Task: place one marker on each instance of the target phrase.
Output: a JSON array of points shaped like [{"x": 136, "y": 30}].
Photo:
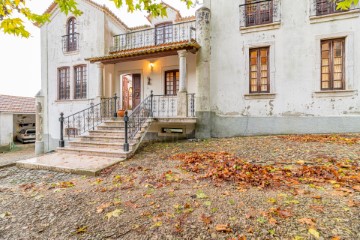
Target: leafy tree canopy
[{"x": 13, "y": 13}]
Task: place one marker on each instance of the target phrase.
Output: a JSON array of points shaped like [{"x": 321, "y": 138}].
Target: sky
[{"x": 20, "y": 63}]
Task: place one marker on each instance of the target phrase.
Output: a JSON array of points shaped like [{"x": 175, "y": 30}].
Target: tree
[{"x": 13, "y": 13}]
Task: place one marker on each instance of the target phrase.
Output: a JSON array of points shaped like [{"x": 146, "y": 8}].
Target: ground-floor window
[
  {"x": 64, "y": 83},
  {"x": 172, "y": 82},
  {"x": 259, "y": 70},
  {"x": 80, "y": 76},
  {"x": 332, "y": 64}
]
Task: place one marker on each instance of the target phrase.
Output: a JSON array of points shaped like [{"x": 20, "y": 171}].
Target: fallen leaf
[
  {"x": 223, "y": 228},
  {"x": 206, "y": 219},
  {"x": 335, "y": 238},
  {"x": 157, "y": 224},
  {"x": 102, "y": 207},
  {"x": 308, "y": 221},
  {"x": 5, "y": 214},
  {"x": 272, "y": 221},
  {"x": 317, "y": 208},
  {"x": 201, "y": 195},
  {"x": 116, "y": 213},
  {"x": 356, "y": 188},
  {"x": 314, "y": 232},
  {"x": 82, "y": 229}
]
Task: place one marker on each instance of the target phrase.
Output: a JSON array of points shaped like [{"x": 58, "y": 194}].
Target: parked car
[{"x": 26, "y": 135}]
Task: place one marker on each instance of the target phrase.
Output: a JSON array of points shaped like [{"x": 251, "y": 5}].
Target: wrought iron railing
[
  {"x": 191, "y": 104},
  {"x": 259, "y": 12},
  {"x": 154, "y": 36},
  {"x": 70, "y": 42},
  {"x": 326, "y": 7},
  {"x": 87, "y": 119}
]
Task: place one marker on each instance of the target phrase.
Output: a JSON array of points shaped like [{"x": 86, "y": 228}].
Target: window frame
[
  {"x": 331, "y": 64},
  {"x": 72, "y": 35},
  {"x": 258, "y": 63},
  {"x": 331, "y": 9},
  {"x": 175, "y": 82},
  {"x": 65, "y": 85},
  {"x": 83, "y": 81},
  {"x": 258, "y": 13},
  {"x": 163, "y": 27}
]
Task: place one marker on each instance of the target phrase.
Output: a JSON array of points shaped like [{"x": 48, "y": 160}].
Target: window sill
[
  {"x": 259, "y": 28},
  {"x": 72, "y": 100},
  {"x": 335, "y": 93},
  {"x": 335, "y": 16},
  {"x": 259, "y": 96},
  {"x": 76, "y": 52}
]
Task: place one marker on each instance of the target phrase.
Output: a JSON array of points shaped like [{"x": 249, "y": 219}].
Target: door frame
[{"x": 130, "y": 72}]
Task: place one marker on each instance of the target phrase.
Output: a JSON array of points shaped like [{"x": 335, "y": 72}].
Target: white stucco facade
[
  {"x": 217, "y": 71},
  {"x": 296, "y": 103}
]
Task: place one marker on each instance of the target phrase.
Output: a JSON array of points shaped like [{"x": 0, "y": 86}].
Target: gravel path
[
  {"x": 20, "y": 152},
  {"x": 150, "y": 197}
]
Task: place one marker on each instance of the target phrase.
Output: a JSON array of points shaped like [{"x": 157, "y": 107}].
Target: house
[
  {"x": 16, "y": 113},
  {"x": 236, "y": 68}
]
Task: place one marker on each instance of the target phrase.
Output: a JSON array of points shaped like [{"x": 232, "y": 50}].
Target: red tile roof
[
  {"x": 14, "y": 104},
  {"x": 188, "y": 45}
]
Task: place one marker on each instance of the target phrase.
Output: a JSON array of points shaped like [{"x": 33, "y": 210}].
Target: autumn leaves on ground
[{"x": 276, "y": 187}]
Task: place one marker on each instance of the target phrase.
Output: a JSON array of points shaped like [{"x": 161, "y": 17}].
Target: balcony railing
[
  {"x": 70, "y": 42},
  {"x": 260, "y": 12},
  {"x": 154, "y": 36},
  {"x": 326, "y": 7}
]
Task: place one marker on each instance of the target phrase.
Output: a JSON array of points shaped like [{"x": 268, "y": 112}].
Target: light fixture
[
  {"x": 149, "y": 80},
  {"x": 151, "y": 64}
]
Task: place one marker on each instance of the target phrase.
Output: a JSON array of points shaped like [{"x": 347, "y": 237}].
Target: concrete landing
[{"x": 70, "y": 163}]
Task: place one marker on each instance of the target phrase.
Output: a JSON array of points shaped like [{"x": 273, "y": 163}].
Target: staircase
[{"x": 106, "y": 140}]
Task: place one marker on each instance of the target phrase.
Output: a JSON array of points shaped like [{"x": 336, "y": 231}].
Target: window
[
  {"x": 259, "y": 70},
  {"x": 80, "y": 82},
  {"x": 71, "y": 39},
  {"x": 172, "y": 82},
  {"x": 64, "y": 83},
  {"x": 332, "y": 64},
  {"x": 324, "y": 7},
  {"x": 258, "y": 12},
  {"x": 164, "y": 33}
]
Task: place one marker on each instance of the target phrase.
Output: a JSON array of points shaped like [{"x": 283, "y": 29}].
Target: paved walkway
[{"x": 21, "y": 151}]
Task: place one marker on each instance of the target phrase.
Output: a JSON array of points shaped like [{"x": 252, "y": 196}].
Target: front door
[{"x": 136, "y": 83}]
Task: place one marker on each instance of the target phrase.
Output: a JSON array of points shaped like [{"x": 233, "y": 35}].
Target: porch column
[
  {"x": 39, "y": 123},
  {"x": 182, "y": 106},
  {"x": 100, "y": 79}
]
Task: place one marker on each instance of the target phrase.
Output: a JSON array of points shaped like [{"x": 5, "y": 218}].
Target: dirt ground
[
  {"x": 20, "y": 152},
  {"x": 156, "y": 196}
]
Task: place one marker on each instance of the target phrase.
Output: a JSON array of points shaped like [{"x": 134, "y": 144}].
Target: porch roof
[{"x": 162, "y": 50}]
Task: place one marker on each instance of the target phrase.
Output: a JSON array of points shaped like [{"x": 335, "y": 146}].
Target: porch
[{"x": 161, "y": 61}]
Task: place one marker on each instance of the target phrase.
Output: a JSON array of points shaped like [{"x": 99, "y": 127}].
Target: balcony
[
  {"x": 162, "y": 35},
  {"x": 254, "y": 13},
  {"x": 70, "y": 43}
]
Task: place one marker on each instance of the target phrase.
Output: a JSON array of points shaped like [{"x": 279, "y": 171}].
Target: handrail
[{"x": 87, "y": 119}]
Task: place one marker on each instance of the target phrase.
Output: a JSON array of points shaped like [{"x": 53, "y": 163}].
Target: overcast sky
[{"x": 20, "y": 63}]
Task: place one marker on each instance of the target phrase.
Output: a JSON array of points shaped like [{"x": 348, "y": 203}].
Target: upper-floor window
[
  {"x": 80, "y": 76},
  {"x": 70, "y": 40},
  {"x": 64, "y": 83},
  {"x": 258, "y": 12},
  {"x": 324, "y": 7},
  {"x": 164, "y": 33},
  {"x": 259, "y": 70},
  {"x": 333, "y": 64}
]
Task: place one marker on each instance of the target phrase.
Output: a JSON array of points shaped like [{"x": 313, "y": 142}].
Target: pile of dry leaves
[
  {"x": 338, "y": 139},
  {"x": 222, "y": 166}
]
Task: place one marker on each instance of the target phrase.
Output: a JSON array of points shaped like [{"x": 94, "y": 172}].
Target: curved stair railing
[
  {"x": 87, "y": 119},
  {"x": 135, "y": 121}
]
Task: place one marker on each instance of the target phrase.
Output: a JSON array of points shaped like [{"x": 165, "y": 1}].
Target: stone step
[
  {"x": 114, "y": 123},
  {"x": 109, "y": 133},
  {"x": 96, "y": 144},
  {"x": 105, "y": 139},
  {"x": 94, "y": 151},
  {"x": 110, "y": 128}
]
